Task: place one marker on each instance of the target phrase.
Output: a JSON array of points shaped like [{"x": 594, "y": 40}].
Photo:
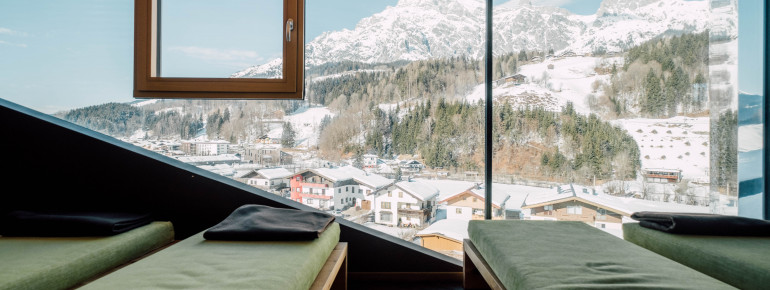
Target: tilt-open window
[{"x": 249, "y": 49}]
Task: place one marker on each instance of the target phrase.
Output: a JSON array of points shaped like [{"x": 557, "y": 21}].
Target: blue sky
[{"x": 58, "y": 55}]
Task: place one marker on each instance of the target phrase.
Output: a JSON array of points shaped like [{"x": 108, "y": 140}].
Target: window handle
[{"x": 289, "y": 29}]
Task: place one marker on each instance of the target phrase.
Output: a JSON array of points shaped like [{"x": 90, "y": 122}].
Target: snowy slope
[
  {"x": 675, "y": 143},
  {"x": 570, "y": 80},
  {"x": 305, "y": 121}
]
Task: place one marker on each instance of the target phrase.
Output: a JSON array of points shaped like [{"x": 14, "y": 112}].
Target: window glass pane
[
  {"x": 625, "y": 105},
  {"x": 221, "y": 39},
  {"x": 750, "y": 109}
]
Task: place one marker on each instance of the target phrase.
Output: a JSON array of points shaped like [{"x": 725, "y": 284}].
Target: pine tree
[
  {"x": 523, "y": 55},
  {"x": 288, "y": 135}
]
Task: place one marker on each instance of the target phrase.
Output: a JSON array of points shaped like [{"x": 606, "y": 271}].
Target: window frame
[{"x": 149, "y": 84}]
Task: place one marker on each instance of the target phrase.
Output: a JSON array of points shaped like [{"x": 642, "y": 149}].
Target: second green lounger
[{"x": 573, "y": 255}]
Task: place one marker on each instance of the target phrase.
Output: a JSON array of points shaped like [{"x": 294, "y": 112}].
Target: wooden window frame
[{"x": 147, "y": 83}]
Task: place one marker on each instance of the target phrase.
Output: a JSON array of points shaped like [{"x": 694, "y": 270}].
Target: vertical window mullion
[{"x": 488, "y": 115}]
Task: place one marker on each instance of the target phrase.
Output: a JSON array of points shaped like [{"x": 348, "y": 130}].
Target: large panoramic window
[{"x": 600, "y": 108}]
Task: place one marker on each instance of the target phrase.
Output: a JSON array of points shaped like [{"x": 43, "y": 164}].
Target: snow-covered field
[
  {"x": 675, "y": 143},
  {"x": 306, "y": 121},
  {"x": 570, "y": 80}
]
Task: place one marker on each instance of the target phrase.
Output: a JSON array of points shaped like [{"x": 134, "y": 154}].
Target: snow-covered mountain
[
  {"x": 423, "y": 29},
  {"x": 271, "y": 70}
]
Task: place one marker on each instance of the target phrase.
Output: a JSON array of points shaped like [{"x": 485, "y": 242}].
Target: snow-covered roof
[
  {"x": 623, "y": 205},
  {"x": 349, "y": 172},
  {"x": 243, "y": 173},
  {"x": 206, "y": 142},
  {"x": 448, "y": 188},
  {"x": 418, "y": 189},
  {"x": 221, "y": 169},
  {"x": 212, "y": 158},
  {"x": 498, "y": 196},
  {"x": 332, "y": 174},
  {"x": 450, "y": 228},
  {"x": 274, "y": 173}
]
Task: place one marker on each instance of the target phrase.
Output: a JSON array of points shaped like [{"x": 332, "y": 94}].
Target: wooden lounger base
[
  {"x": 334, "y": 273},
  {"x": 476, "y": 272}
]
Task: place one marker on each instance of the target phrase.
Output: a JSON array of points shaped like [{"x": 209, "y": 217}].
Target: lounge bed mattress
[
  {"x": 60, "y": 263},
  {"x": 196, "y": 263},
  {"x": 574, "y": 255},
  {"x": 739, "y": 261}
]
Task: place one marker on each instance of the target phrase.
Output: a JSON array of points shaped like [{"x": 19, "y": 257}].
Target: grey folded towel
[
  {"x": 264, "y": 223},
  {"x": 702, "y": 224},
  {"x": 70, "y": 224}
]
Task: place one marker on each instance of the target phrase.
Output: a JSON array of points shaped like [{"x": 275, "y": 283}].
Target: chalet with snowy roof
[
  {"x": 662, "y": 175},
  {"x": 406, "y": 203},
  {"x": 268, "y": 155},
  {"x": 336, "y": 188},
  {"x": 264, "y": 139},
  {"x": 578, "y": 203},
  {"x": 269, "y": 178},
  {"x": 445, "y": 236},
  {"x": 469, "y": 204},
  {"x": 516, "y": 79},
  {"x": 409, "y": 167}
]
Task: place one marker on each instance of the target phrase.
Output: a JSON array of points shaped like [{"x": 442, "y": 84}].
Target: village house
[
  {"x": 336, "y": 188},
  {"x": 267, "y": 155},
  {"x": 445, "y": 236},
  {"x": 516, "y": 79},
  {"x": 370, "y": 161},
  {"x": 264, "y": 139},
  {"x": 578, "y": 203},
  {"x": 406, "y": 203},
  {"x": 661, "y": 175},
  {"x": 410, "y": 167},
  {"x": 274, "y": 179},
  {"x": 469, "y": 204},
  {"x": 205, "y": 148}
]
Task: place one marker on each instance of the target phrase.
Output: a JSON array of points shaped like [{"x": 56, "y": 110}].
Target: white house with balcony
[
  {"x": 406, "y": 203},
  {"x": 337, "y": 188}
]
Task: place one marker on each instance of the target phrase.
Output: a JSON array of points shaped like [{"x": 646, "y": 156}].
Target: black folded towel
[
  {"x": 264, "y": 223},
  {"x": 702, "y": 224},
  {"x": 69, "y": 224}
]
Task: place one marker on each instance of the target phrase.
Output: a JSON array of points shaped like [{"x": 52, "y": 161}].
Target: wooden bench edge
[
  {"x": 476, "y": 272},
  {"x": 334, "y": 273}
]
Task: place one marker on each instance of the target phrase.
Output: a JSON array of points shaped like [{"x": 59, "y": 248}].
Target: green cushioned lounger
[
  {"x": 574, "y": 255},
  {"x": 743, "y": 262},
  {"x": 61, "y": 263},
  {"x": 196, "y": 263}
]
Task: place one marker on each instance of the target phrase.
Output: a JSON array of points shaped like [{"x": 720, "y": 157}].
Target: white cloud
[
  {"x": 8, "y": 31},
  {"x": 214, "y": 54},
  {"x": 12, "y": 44}
]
